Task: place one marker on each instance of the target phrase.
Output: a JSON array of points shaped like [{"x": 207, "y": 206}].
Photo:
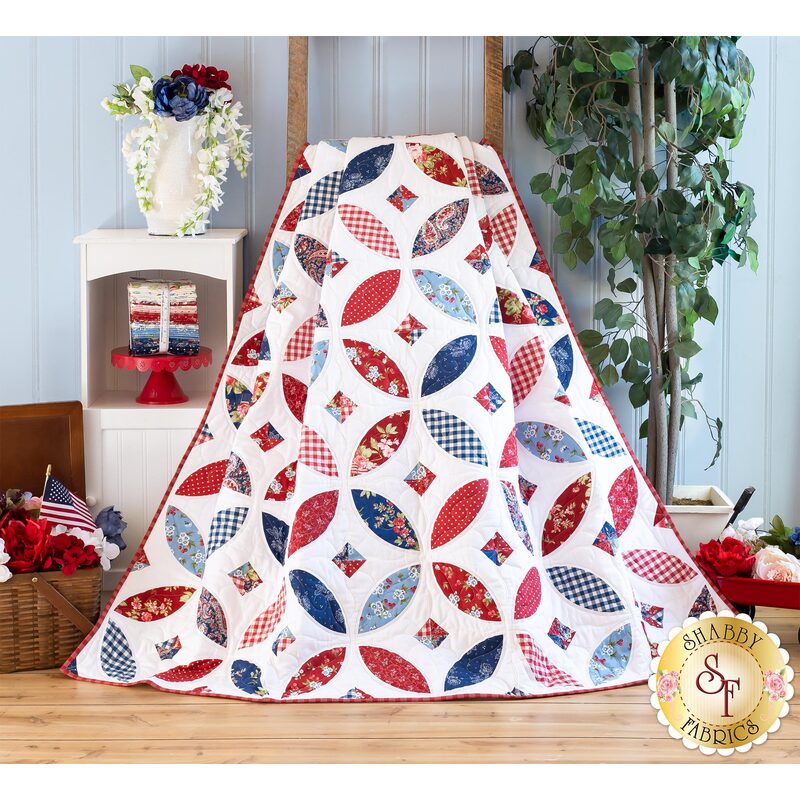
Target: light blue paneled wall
[{"x": 64, "y": 174}]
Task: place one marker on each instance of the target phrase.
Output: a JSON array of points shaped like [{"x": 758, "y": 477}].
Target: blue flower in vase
[
  {"x": 794, "y": 537},
  {"x": 181, "y": 98}
]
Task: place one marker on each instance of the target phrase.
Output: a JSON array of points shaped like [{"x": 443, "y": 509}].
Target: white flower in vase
[{"x": 179, "y": 157}]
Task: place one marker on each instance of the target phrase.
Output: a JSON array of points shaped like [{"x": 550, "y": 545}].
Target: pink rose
[
  {"x": 667, "y": 686},
  {"x": 775, "y": 685},
  {"x": 773, "y": 564}
]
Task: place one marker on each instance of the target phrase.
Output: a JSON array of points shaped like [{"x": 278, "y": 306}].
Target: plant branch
[{"x": 671, "y": 311}]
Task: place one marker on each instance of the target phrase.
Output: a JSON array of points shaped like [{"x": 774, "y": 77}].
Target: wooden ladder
[{"x": 297, "y": 116}]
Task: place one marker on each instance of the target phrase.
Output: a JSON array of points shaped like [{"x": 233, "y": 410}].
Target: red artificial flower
[
  {"x": 70, "y": 553},
  {"x": 210, "y": 77},
  {"x": 28, "y": 543},
  {"x": 727, "y": 557}
]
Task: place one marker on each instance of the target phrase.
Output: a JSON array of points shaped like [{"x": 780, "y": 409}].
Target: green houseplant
[{"x": 639, "y": 129}]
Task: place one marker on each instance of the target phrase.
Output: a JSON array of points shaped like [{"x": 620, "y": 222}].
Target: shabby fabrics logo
[{"x": 721, "y": 683}]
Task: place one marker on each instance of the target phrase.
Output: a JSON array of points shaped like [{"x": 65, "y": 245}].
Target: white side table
[{"x": 132, "y": 450}]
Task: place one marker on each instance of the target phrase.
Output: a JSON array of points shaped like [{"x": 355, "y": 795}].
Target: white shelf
[
  {"x": 131, "y": 449},
  {"x": 129, "y": 235},
  {"x": 112, "y": 251},
  {"x": 118, "y": 410}
]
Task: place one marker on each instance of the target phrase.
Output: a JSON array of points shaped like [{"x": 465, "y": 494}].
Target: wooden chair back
[{"x": 33, "y": 436}]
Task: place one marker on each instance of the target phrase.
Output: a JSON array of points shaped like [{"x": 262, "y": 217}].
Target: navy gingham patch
[
  {"x": 322, "y": 196},
  {"x": 600, "y": 441},
  {"x": 224, "y": 527},
  {"x": 585, "y": 589},
  {"x": 116, "y": 657},
  {"x": 454, "y": 436}
]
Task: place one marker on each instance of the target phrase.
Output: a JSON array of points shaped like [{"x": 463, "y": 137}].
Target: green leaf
[
  {"x": 582, "y": 213},
  {"x": 598, "y": 354},
  {"x": 626, "y": 321},
  {"x": 687, "y": 349},
  {"x": 560, "y": 146},
  {"x": 629, "y": 285},
  {"x": 584, "y": 249},
  {"x": 708, "y": 308},
  {"x": 582, "y": 66},
  {"x": 674, "y": 201},
  {"x": 570, "y": 259},
  {"x": 611, "y": 317},
  {"x": 602, "y": 307},
  {"x": 550, "y": 196},
  {"x": 637, "y": 394},
  {"x": 649, "y": 181},
  {"x": 623, "y": 62},
  {"x": 508, "y": 78},
  {"x": 633, "y": 372},
  {"x": 563, "y": 205},
  {"x": 685, "y": 294},
  {"x": 616, "y": 253},
  {"x": 581, "y": 175},
  {"x": 140, "y": 72},
  {"x": 562, "y": 242},
  {"x": 688, "y": 409},
  {"x": 589, "y": 337},
  {"x": 666, "y": 131},
  {"x": 640, "y": 350},
  {"x": 540, "y": 182},
  {"x": 619, "y": 351},
  {"x": 634, "y": 249},
  {"x": 609, "y": 375},
  {"x": 669, "y": 64}
]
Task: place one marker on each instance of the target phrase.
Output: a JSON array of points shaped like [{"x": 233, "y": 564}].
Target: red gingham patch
[
  {"x": 251, "y": 301},
  {"x": 526, "y": 366},
  {"x": 542, "y": 668},
  {"x": 658, "y": 566},
  {"x": 369, "y": 230},
  {"x": 472, "y": 177},
  {"x": 504, "y": 228},
  {"x": 266, "y": 622},
  {"x": 302, "y": 341},
  {"x": 315, "y": 453}
]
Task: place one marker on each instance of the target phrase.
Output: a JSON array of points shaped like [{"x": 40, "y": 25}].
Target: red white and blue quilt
[{"x": 407, "y": 484}]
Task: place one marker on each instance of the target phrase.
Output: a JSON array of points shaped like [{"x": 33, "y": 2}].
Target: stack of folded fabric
[
  {"x": 163, "y": 317},
  {"x": 184, "y": 330}
]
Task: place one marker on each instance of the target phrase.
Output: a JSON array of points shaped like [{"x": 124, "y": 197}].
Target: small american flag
[{"x": 62, "y": 507}]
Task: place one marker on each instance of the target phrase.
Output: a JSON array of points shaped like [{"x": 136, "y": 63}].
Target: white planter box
[{"x": 697, "y": 524}]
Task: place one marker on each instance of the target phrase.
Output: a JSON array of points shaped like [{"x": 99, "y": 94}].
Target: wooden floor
[{"x": 46, "y": 717}]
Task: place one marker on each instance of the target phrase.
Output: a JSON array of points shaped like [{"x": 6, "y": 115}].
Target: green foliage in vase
[{"x": 640, "y": 129}]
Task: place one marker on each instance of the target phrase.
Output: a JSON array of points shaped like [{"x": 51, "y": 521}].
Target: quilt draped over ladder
[{"x": 408, "y": 484}]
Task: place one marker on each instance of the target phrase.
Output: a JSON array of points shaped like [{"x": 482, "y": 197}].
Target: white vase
[{"x": 175, "y": 182}]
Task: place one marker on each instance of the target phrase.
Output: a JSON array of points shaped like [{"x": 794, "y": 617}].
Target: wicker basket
[{"x": 45, "y": 616}]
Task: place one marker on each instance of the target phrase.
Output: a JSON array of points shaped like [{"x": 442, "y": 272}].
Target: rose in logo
[
  {"x": 667, "y": 685},
  {"x": 774, "y": 685}
]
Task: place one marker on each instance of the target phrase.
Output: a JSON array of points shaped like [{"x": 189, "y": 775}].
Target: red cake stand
[{"x": 162, "y": 387}]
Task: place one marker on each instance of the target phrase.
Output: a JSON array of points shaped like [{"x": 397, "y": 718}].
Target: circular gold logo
[{"x": 721, "y": 683}]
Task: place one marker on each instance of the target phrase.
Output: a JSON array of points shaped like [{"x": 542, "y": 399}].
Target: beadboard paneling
[{"x": 66, "y": 176}]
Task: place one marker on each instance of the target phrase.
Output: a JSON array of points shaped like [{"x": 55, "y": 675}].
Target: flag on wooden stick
[{"x": 62, "y": 507}]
